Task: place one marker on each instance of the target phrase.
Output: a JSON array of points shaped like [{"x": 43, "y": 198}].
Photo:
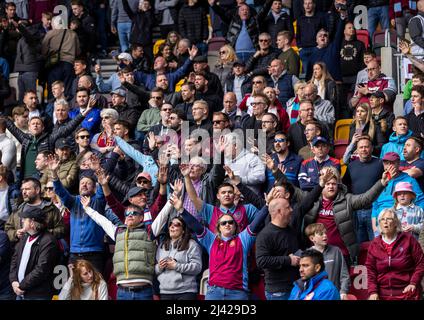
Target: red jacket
[{"x": 389, "y": 275}]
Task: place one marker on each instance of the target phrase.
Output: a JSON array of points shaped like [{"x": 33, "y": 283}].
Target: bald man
[
  {"x": 237, "y": 117},
  {"x": 276, "y": 246}
]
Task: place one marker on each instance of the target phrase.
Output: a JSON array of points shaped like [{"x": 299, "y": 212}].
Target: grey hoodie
[{"x": 183, "y": 278}]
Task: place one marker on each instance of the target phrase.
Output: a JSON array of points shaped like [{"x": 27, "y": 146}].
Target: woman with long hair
[
  {"x": 324, "y": 82},
  {"x": 172, "y": 40},
  {"x": 363, "y": 124},
  {"x": 166, "y": 51},
  {"x": 224, "y": 66},
  {"x": 178, "y": 262},
  {"x": 84, "y": 283}
]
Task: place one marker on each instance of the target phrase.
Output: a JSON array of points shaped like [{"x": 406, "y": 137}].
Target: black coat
[
  {"x": 142, "y": 25},
  {"x": 193, "y": 23},
  {"x": 38, "y": 280}
]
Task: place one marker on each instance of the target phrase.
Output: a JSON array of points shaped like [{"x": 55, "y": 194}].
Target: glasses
[
  {"x": 218, "y": 121},
  {"x": 257, "y": 103},
  {"x": 166, "y": 110},
  {"x": 157, "y": 98},
  {"x": 175, "y": 224},
  {"x": 132, "y": 213},
  {"x": 48, "y": 188},
  {"x": 84, "y": 137},
  {"x": 387, "y": 219},
  {"x": 256, "y": 82},
  {"x": 323, "y": 35},
  {"x": 280, "y": 140},
  {"x": 142, "y": 180},
  {"x": 223, "y": 223},
  {"x": 222, "y": 52},
  {"x": 263, "y": 40}
]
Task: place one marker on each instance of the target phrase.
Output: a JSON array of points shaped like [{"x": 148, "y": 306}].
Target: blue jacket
[
  {"x": 86, "y": 235},
  {"x": 386, "y": 200},
  {"x": 292, "y": 164},
  {"x": 395, "y": 144},
  {"x": 317, "y": 288},
  {"x": 91, "y": 122},
  {"x": 149, "y": 79}
]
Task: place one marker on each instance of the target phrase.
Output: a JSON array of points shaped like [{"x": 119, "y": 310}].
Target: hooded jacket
[
  {"x": 388, "y": 275},
  {"x": 28, "y": 55},
  {"x": 316, "y": 288},
  {"x": 395, "y": 144}
]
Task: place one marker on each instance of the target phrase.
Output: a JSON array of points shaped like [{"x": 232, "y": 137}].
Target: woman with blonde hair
[
  {"x": 363, "y": 124},
  {"x": 324, "y": 82},
  {"x": 293, "y": 105},
  {"x": 395, "y": 262},
  {"x": 224, "y": 66},
  {"x": 84, "y": 283}
]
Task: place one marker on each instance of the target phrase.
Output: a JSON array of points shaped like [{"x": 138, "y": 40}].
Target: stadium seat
[
  {"x": 203, "y": 281},
  {"x": 216, "y": 43},
  {"x": 363, "y": 36},
  {"x": 341, "y": 131}
]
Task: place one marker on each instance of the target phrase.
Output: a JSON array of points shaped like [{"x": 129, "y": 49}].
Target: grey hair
[
  {"x": 199, "y": 161},
  {"x": 61, "y": 102},
  {"x": 58, "y": 23},
  {"x": 110, "y": 112},
  {"x": 396, "y": 220}
]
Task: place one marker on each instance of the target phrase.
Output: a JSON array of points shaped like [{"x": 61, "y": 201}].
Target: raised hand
[
  {"x": 177, "y": 186},
  {"x": 102, "y": 178},
  {"x": 85, "y": 201},
  {"x": 282, "y": 168},
  {"x": 163, "y": 174},
  {"x": 176, "y": 201},
  {"x": 152, "y": 140},
  {"x": 193, "y": 51},
  {"x": 185, "y": 169},
  {"x": 269, "y": 162},
  {"x": 325, "y": 175},
  {"x": 404, "y": 47},
  {"x": 163, "y": 159},
  {"x": 273, "y": 194},
  {"x": 97, "y": 69},
  {"x": 53, "y": 162}
]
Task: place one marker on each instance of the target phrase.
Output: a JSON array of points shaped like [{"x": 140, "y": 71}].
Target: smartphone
[
  {"x": 358, "y": 131},
  {"x": 298, "y": 253},
  {"x": 389, "y": 176}
]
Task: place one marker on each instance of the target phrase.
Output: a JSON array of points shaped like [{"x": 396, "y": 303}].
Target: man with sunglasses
[
  {"x": 134, "y": 269},
  {"x": 283, "y": 156},
  {"x": 258, "y": 63}
]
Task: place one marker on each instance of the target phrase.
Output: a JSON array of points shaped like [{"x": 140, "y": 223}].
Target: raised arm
[
  {"x": 198, "y": 203},
  {"x": 102, "y": 221},
  {"x": 67, "y": 199},
  {"x": 147, "y": 162}
]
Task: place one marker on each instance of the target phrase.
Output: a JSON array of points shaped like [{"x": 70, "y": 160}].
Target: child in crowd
[
  {"x": 335, "y": 265},
  {"x": 410, "y": 215}
]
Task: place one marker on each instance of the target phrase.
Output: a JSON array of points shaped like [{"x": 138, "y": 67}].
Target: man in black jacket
[
  {"x": 88, "y": 26},
  {"x": 193, "y": 24},
  {"x": 277, "y": 20},
  {"x": 35, "y": 256},
  {"x": 38, "y": 140},
  {"x": 126, "y": 112},
  {"x": 259, "y": 62},
  {"x": 204, "y": 92}
]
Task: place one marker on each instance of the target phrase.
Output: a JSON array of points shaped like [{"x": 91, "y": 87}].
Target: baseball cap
[
  {"x": 391, "y": 156},
  {"x": 33, "y": 213},
  {"x": 145, "y": 175},
  {"x": 319, "y": 139},
  {"x": 200, "y": 59},
  {"x": 119, "y": 92},
  {"x": 132, "y": 193},
  {"x": 62, "y": 143},
  {"x": 239, "y": 63},
  {"x": 125, "y": 56}
]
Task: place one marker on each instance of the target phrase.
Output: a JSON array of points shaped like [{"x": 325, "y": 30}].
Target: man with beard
[
  {"x": 88, "y": 105},
  {"x": 188, "y": 91},
  {"x": 205, "y": 92},
  {"x": 86, "y": 237},
  {"x": 31, "y": 194},
  {"x": 413, "y": 164},
  {"x": 68, "y": 169}
]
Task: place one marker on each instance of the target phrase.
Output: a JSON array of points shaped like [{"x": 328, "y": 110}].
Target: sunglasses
[
  {"x": 132, "y": 213},
  {"x": 142, "y": 180},
  {"x": 222, "y": 52},
  {"x": 48, "y": 188},
  {"x": 223, "y": 223},
  {"x": 256, "y": 82},
  {"x": 84, "y": 137},
  {"x": 279, "y": 140},
  {"x": 263, "y": 40},
  {"x": 175, "y": 224}
]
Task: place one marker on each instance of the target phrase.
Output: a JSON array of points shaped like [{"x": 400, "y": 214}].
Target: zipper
[
  {"x": 390, "y": 279},
  {"x": 126, "y": 253}
]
